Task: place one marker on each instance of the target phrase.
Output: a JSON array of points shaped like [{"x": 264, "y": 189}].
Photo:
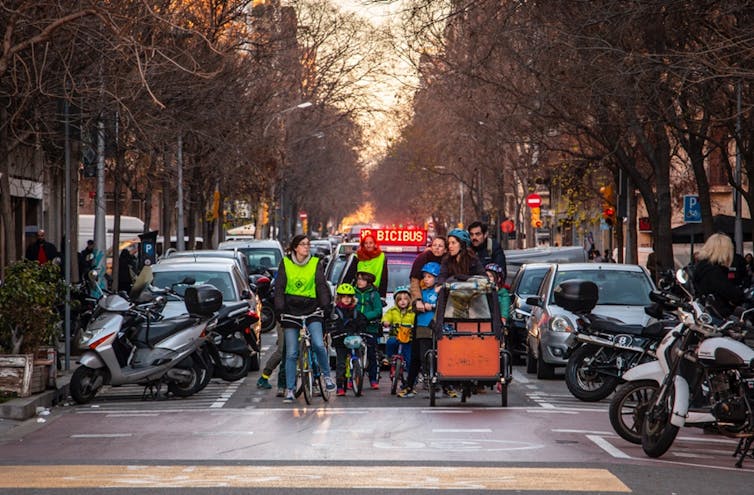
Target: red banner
[{"x": 397, "y": 237}]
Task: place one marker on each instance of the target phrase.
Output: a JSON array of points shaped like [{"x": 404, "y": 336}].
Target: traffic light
[
  {"x": 609, "y": 215},
  {"x": 536, "y": 222},
  {"x": 265, "y": 214}
]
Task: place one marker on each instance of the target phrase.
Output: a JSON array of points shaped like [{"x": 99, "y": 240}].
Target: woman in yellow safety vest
[
  {"x": 301, "y": 289},
  {"x": 372, "y": 260}
]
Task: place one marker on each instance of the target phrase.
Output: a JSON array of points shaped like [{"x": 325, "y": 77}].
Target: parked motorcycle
[
  {"x": 703, "y": 377},
  {"x": 226, "y": 346},
  {"x": 130, "y": 343},
  {"x": 602, "y": 349}
]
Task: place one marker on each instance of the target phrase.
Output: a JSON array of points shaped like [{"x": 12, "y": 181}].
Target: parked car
[
  {"x": 205, "y": 254},
  {"x": 320, "y": 248},
  {"x": 337, "y": 263},
  {"x": 225, "y": 275},
  {"x": 525, "y": 284},
  {"x": 514, "y": 258},
  {"x": 623, "y": 294},
  {"x": 261, "y": 254}
]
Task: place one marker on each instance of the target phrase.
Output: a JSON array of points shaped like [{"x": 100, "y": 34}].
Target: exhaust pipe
[{"x": 591, "y": 339}]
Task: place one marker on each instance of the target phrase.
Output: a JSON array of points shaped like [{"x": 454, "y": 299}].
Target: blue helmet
[
  {"x": 402, "y": 288},
  {"x": 432, "y": 268},
  {"x": 462, "y": 235}
]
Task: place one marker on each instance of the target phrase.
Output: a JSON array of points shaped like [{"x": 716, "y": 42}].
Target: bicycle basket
[{"x": 352, "y": 341}]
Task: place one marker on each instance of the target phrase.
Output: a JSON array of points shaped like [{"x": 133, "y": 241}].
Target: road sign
[
  {"x": 692, "y": 209},
  {"x": 533, "y": 200},
  {"x": 508, "y": 226}
]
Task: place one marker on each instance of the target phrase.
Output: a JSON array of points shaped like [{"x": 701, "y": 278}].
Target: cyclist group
[{"x": 301, "y": 289}]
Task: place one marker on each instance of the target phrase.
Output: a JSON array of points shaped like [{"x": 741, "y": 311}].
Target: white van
[{"x": 130, "y": 228}]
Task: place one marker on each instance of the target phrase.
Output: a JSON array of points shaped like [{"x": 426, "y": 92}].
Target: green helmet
[{"x": 346, "y": 290}]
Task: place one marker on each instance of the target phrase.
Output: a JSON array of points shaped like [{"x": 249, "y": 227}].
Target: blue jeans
[
  {"x": 391, "y": 349},
  {"x": 291, "y": 352}
]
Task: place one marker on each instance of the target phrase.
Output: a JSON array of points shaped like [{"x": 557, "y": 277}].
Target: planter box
[
  {"x": 23, "y": 374},
  {"x": 15, "y": 373}
]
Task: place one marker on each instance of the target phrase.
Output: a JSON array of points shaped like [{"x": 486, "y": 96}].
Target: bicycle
[
  {"x": 356, "y": 364},
  {"x": 308, "y": 373},
  {"x": 397, "y": 365}
]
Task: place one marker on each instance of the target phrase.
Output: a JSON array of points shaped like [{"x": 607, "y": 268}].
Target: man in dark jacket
[
  {"x": 488, "y": 250},
  {"x": 41, "y": 250}
]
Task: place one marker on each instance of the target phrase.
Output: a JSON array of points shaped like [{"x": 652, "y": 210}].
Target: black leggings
[{"x": 419, "y": 348}]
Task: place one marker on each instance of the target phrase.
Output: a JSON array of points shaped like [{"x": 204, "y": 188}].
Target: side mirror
[
  {"x": 534, "y": 301},
  {"x": 246, "y": 294}
]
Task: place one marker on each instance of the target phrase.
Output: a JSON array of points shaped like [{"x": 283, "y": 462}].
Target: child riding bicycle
[
  {"x": 400, "y": 319},
  {"x": 369, "y": 303},
  {"x": 344, "y": 320}
]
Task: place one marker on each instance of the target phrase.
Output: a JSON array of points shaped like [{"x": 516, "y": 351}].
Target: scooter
[
  {"x": 702, "y": 377},
  {"x": 129, "y": 344},
  {"x": 265, "y": 290}
]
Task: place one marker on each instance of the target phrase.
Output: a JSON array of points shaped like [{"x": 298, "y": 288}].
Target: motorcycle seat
[
  {"x": 658, "y": 329},
  {"x": 613, "y": 326},
  {"x": 233, "y": 310},
  {"x": 160, "y": 330}
]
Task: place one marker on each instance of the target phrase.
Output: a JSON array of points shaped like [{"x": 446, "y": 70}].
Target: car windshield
[
  {"x": 398, "y": 273},
  {"x": 260, "y": 259},
  {"x": 530, "y": 281},
  {"x": 174, "y": 280},
  {"x": 617, "y": 287}
]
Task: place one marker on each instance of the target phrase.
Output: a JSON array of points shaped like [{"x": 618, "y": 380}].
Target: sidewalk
[{"x": 16, "y": 410}]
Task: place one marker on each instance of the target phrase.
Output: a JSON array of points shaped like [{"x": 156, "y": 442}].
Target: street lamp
[{"x": 300, "y": 106}]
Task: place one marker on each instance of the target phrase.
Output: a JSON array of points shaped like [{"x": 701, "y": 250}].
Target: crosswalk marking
[{"x": 323, "y": 476}]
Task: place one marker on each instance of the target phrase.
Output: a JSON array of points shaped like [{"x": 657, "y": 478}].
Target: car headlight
[{"x": 561, "y": 324}]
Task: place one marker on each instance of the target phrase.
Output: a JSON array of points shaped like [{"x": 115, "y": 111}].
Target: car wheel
[
  {"x": 545, "y": 371},
  {"x": 531, "y": 361}
]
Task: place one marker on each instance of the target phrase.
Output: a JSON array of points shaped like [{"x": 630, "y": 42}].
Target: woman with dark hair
[
  {"x": 371, "y": 259},
  {"x": 301, "y": 289},
  {"x": 460, "y": 262}
]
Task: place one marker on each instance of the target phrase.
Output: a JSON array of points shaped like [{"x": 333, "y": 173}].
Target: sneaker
[
  {"x": 289, "y": 397},
  {"x": 349, "y": 385},
  {"x": 341, "y": 392},
  {"x": 329, "y": 384},
  {"x": 281, "y": 393},
  {"x": 406, "y": 393},
  {"x": 450, "y": 392},
  {"x": 375, "y": 385},
  {"x": 263, "y": 383}
]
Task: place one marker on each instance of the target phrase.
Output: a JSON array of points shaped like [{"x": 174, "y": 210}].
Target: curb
[{"x": 26, "y": 407}]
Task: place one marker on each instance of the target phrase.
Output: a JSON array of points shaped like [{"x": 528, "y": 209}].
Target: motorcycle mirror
[
  {"x": 93, "y": 275},
  {"x": 245, "y": 294},
  {"x": 188, "y": 281},
  {"x": 682, "y": 276}
]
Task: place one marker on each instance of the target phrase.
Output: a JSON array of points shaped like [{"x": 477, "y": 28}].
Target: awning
[{"x": 721, "y": 223}]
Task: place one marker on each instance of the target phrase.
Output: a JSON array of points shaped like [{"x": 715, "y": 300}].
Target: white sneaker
[
  {"x": 289, "y": 397},
  {"x": 329, "y": 384}
]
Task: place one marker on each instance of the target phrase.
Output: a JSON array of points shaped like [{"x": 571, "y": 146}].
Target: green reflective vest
[
  {"x": 373, "y": 266},
  {"x": 300, "y": 280}
]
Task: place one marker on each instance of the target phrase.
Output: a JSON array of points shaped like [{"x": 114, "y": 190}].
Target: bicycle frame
[
  {"x": 357, "y": 360},
  {"x": 307, "y": 370}
]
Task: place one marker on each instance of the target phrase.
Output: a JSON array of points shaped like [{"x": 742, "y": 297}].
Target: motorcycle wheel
[
  {"x": 232, "y": 374},
  {"x": 583, "y": 381},
  {"x": 657, "y": 433},
  {"x": 200, "y": 377},
  {"x": 85, "y": 383},
  {"x": 268, "y": 318},
  {"x": 628, "y": 408}
]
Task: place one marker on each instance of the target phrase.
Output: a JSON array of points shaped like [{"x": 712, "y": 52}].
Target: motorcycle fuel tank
[{"x": 725, "y": 352}]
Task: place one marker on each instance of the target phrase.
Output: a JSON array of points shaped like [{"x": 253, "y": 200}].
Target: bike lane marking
[
  {"x": 323, "y": 476},
  {"x": 608, "y": 447}
]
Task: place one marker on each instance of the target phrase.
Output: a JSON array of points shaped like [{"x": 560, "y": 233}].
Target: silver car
[{"x": 623, "y": 294}]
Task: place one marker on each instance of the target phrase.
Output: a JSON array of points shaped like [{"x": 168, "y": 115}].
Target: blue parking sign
[{"x": 692, "y": 210}]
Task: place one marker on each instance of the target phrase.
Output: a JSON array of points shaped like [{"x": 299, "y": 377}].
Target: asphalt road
[{"x": 236, "y": 438}]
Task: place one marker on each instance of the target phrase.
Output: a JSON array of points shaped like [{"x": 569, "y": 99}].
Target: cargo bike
[{"x": 469, "y": 341}]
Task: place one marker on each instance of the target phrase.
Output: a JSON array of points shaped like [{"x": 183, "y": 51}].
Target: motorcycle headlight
[
  {"x": 561, "y": 324},
  {"x": 85, "y": 336}
]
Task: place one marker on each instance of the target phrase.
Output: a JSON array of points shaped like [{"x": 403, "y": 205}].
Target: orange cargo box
[{"x": 468, "y": 357}]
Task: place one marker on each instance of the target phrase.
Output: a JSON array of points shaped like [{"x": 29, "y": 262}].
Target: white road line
[
  {"x": 221, "y": 433},
  {"x": 710, "y": 440},
  {"x": 461, "y": 430},
  {"x": 550, "y": 411},
  {"x": 131, "y": 415},
  {"x": 608, "y": 447},
  {"x": 102, "y": 435},
  {"x": 519, "y": 377},
  {"x": 545, "y": 405},
  {"x": 533, "y": 387},
  {"x": 326, "y": 431},
  {"x": 565, "y": 430},
  {"x": 445, "y": 411}
]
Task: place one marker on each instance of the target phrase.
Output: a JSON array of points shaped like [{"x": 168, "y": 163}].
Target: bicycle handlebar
[{"x": 302, "y": 318}]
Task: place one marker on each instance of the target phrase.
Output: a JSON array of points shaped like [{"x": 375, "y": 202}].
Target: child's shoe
[
  {"x": 289, "y": 397},
  {"x": 406, "y": 393},
  {"x": 349, "y": 385},
  {"x": 450, "y": 392},
  {"x": 375, "y": 385},
  {"x": 263, "y": 383},
  {"x": 341, "y": 392}
]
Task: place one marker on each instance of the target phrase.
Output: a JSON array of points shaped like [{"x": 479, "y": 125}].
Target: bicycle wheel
[
  {"x": 397, "y": 375},
  {"x": 357, "y": 377},
  {"x": 305, "y": 375}
]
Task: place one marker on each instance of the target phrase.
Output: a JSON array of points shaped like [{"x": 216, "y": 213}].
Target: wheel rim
[
  {"x": 634, "y": 407},
  {"x": 587, "y": 378}
]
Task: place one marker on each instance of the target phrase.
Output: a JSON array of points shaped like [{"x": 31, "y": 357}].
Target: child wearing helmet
[
  {"x": 422, "y": 341},
  {"x": 400, "y": 319},
  {"x": 495, "y": 274},
  {"x": 344, "y": 320},
  {"x": 369, "y": 303},
  {"x": 460, "y": 262}
]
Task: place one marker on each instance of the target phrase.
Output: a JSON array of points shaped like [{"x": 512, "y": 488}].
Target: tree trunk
[{"x": 5, "y": 198}]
